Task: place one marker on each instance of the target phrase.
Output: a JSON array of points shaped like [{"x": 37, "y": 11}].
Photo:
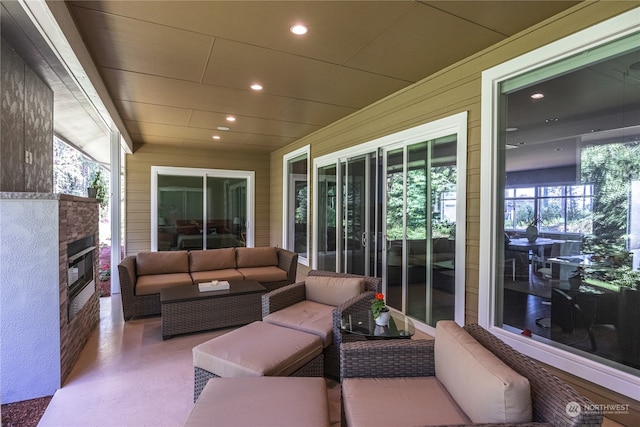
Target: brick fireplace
[{"x": 40, "y": 342}]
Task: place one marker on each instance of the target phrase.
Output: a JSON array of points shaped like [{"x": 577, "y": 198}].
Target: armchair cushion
[
  {"x": 486, "y": 389},
  {"x": 306, "y": 316},
  {"x": 332, "y": 290},
  {"x": 359, "y": 393}
]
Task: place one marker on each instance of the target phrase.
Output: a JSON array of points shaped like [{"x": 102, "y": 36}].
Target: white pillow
[
  {"x": 485, "y": 388},
  {"x": 332, "y": 290}
]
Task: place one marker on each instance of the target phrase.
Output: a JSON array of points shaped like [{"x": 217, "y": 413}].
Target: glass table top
[{"x": 362, "y": 323}]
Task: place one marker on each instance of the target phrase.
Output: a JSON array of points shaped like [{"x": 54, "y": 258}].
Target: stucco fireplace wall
[{"x": 38, "y": 345}]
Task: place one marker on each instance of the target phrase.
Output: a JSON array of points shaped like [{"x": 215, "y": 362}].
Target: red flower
[{"x": 380, "y": 296}]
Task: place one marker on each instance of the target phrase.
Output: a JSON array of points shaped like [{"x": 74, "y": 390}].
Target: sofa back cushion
[
  {"x": 256, "y": 257},
  {"x": 332, "y": 290},
  {"x": 486, "y": 389},
  {"x": 162, "y": 262},
  {"x": 212, "y": 259}
]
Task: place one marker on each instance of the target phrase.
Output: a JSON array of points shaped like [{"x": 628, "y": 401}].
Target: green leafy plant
[
  {"x": 98, "y": 182},
  {"x": 378, "y": 305}
]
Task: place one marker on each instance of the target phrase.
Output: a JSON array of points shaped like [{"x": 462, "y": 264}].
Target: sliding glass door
[
  {"x": 201, "y": 209},
  {"x": 391, "y": 209},
  {"x": 346, "y": 219},
  {"x": 420, "y": 219}
]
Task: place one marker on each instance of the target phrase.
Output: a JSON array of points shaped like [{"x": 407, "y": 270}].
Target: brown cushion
[
  {"x": 256, "y": 257},
  {"x": 207, "y": 276},
  {"x": 306, "y": 316},
  {"x": 257, "y": 349},
  {"x": 151, "y": 284},
  {"x": 162, "y": 262},
  {"x": 264, "y": 274},
  {"x": 485, "y": 387},
  {"x": 400, "y": 401},
  {"x": 332, "y": 290},
  {"x": 262, "y": 401},
  {"x": 212, "y": 259}
]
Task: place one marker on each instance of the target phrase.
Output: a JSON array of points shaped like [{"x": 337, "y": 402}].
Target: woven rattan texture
[
  {"x": 182, "y": 317},
  {"x": 549, "y": 394},
  {"x": 314, "y": 368},
  {"x": 387, "y": 359},
  {"x": 132, "y": 305}
]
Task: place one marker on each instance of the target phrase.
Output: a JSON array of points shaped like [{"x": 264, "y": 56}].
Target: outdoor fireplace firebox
[{"x": 80, "y": 283}]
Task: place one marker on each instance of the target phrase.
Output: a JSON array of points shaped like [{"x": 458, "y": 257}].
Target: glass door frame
[
  {"x": 454, "y": 124},
  {"x": 204, "y": 174}
]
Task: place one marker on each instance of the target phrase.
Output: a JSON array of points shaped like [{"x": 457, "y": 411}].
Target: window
[
  {"x": 565, "y": 161},
  {"x": 560, "y": 208},
  {"x": 295, "y": 230},
  {"x": 201, "y": 208}
]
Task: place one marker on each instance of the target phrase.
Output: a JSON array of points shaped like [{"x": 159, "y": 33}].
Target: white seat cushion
[
  {"x": 486, "y": 389},
  {"x": 399, "y": 402},
  {"x": 306, "y": 316}
]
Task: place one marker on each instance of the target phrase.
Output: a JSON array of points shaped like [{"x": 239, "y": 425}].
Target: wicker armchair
[
  {"x": 415, "y": 358},
  {"x": 292, "y": 294}
]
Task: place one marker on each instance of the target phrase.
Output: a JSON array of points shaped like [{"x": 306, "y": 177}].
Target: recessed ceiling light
[
  {"x": 595, "y": 130},
  {"x": 557, "y": 149},
  {"x": 256, "y": 86},
  {"x": 551, "y": 120},
  {"x": 216, "y": 136},
  {"x": 511, "y": 129},
  {"x": 299, "y": 29},
  {"x": 537, "y": 95},
  {"x": 522, "y": 143},
  {"x": 222, "y": 128},
  {"x": 231, "y": 119}
]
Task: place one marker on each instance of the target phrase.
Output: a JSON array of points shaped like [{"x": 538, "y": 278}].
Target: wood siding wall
[
  {"x": 451, "y": 91},
  {"x": 138, "y": 186}
]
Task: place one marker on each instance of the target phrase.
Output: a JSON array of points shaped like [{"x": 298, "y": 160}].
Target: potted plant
[
  {"x": 380, "y": 310},
  {"x": 532, "y": 229},
  {"x": 98, "y": 189}
]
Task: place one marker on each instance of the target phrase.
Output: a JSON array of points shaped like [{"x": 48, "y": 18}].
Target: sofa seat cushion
[
  {"x": 332, "y": 290},
  {"x": 306, "y": 316},
  {"x": 262, "y": 401},
  {"x": 257, "y": 349},
  {"x": 212, "y": 259},
  {"x": 398, "y": 402},
  {"x": 207, "y": 276},
  {"x": 264, "y": 274},
  {"x": 148, "y": 263},
  {"x": 149, "y": 285},
  {"x": 486, "y": 389},
  {"x": 256, "y": 257}
]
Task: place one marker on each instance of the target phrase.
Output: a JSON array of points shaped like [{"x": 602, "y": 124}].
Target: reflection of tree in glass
[{"x": 610, "y": 168}]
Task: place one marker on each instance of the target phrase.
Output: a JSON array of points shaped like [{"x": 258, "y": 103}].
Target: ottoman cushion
[
  {"x": 257, "y": 349},
  {"x": 262, "y": 401}
]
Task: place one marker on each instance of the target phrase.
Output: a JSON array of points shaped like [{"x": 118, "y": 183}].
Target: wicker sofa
[
  {"x": 143, "y": 275},
  {"x": 286, "y": 307},
  {"x": 465, "y": 376}
]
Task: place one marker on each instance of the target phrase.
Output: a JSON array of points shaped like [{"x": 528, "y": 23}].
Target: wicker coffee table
[{"x": 185, "y": 309}]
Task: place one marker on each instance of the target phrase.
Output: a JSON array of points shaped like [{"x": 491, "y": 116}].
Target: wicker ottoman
[
  {"x": 262, "y": 401},
  {"x": 255, "y": 350}
]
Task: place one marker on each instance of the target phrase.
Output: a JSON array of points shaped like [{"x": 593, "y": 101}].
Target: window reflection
[{"x": 571, "y": 162}]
